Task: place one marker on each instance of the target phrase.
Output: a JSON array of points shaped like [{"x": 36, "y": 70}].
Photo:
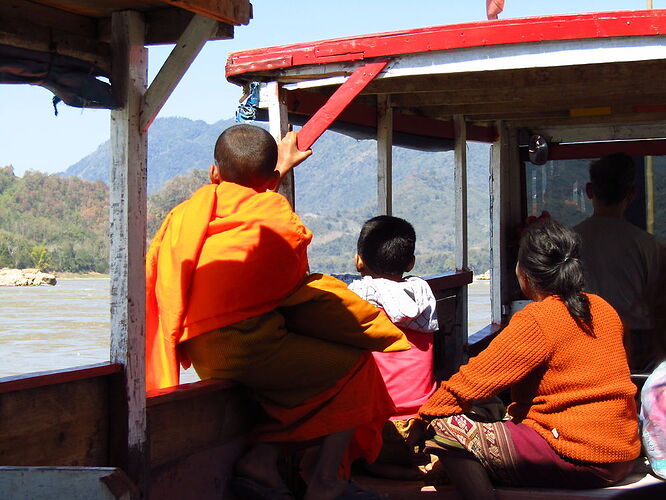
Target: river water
[{"x": 53, "y": 327}]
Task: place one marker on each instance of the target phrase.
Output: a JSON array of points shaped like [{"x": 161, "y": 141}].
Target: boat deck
[{"x": 416, "y": 490}]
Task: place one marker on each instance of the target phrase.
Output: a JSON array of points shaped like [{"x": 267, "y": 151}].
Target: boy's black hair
[
  {"x": 549, "y": 256},
  {"x": 246, "y": 155},
  {"x": 386, "y": 245},
  {"x": 612, "y": 177}
]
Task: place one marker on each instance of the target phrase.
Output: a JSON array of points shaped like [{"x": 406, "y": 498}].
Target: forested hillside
[
  {"x": 336, "y": 190},
  {"x": 53, "y": 223},
  {"x": 61, "y": 222}
]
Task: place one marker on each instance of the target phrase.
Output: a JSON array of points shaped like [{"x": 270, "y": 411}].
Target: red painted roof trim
[
  {"x": 336, "y": 104},
  {"x": 455, "y": 36}
]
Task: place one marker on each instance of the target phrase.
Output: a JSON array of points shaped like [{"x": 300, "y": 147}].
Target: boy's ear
[
  {"x": 214, "y": 174},
  {"x": 411, "y": 265},
  {"x": 360, "y": 266},
  {"x": 588, "y": 190},
  {"x": 274, "y": 181}
]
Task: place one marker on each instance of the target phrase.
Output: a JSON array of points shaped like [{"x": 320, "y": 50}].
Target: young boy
[
  {"x": 218, "y": 268},
  {"x": 385, "y": 252}
]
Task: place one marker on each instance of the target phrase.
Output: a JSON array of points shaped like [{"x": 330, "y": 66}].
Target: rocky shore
[{"x": 25, "y": 277}]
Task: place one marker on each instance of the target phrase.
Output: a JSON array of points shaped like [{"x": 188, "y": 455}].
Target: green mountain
[
  {"x": 53, "y": 223},
  {"x": 336, "y": 190}
]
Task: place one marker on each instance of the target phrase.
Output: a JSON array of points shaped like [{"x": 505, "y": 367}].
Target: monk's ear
[
  {"x": 411, "y": 265},
  {"x": 274, "y": 181},
  {"x": 214, "y": 174}
]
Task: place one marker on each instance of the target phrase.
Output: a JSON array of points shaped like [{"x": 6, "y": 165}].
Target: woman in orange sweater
[{"x": 572, "y": 423}]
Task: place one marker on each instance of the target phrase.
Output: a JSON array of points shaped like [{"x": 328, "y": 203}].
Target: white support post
[
  {"x": 278, "y": 123},
  {"x": 384, "y": 154},
  {"x": 498, "y": 159},
  {"x": 198, "y": 32},
  {"x": 460, "y": 333},
  {"x": 128, "y": 235},
  {"x": 460, "y": 177},
  {"x": 505, "y": 214}
]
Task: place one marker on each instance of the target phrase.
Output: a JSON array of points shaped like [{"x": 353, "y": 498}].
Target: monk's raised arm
[{"x": 288, "y": 155}]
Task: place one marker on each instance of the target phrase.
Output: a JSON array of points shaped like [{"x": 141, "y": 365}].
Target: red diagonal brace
[{"x": 345, "y": 94}]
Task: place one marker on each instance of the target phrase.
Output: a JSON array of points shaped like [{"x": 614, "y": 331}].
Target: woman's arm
[{"x": 511, "y": 356}]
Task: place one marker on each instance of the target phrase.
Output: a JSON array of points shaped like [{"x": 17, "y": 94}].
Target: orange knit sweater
[{"x": 572, "y": 388}]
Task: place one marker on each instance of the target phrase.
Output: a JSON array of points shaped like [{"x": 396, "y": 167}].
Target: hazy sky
[{"x": 31, "y": 137}]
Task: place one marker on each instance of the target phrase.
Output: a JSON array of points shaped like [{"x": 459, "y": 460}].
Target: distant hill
[
  {"x": 53, "y": 223},
  {"x": 176, "y": 145},
  {"x": 336, "y": 190}
]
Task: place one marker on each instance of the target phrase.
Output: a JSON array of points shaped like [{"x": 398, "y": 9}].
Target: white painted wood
[
  {"x": 278, "y": 124},
  {"x": 496, "y": 58},
  {"x": 460, "y": 185},
  {"x": 128, "y": 230},
  {"x": 505, "y": 216},
  {"x": 498, "y": 157},
  {"x": 195, "y": 36},
  {"x": 460, "y": 180},
  {"x": 73, "y": 483},
  {"x": 384, "y": 154},
  {"x": 610, "y": 132}
]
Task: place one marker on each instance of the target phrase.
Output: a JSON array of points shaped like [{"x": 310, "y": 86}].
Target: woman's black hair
[{"x": 549, "y": 256}]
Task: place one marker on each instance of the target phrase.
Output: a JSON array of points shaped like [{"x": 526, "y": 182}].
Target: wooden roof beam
[
  {"x": 163, "y": 26},
  {"x": 596, "y": 74},
  {"x": 43, "y": 15},
  {"x": 227, "y": 11},
  {"x": 198, "y": 31},
  {"x": 28, "y": 35}
]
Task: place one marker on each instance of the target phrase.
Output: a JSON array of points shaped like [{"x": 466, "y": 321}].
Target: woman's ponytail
[{"x": 549, "y": 256}]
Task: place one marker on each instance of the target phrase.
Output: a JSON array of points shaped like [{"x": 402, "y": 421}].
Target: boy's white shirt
[{"x": 409, "y": 303}]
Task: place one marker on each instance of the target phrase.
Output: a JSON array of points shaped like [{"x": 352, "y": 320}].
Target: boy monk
[{"x": 216, "y": 271}]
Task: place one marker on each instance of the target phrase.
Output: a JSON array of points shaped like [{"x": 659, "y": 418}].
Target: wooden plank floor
[{"x": 415, "y": 490}]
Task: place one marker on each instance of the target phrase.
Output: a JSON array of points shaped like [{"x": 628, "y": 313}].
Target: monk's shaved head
[{"x": 246, "y": 155}]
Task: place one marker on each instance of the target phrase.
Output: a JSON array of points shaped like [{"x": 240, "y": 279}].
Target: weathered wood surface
[
  {"x": 73, "y": 483},
  {"x": 60, "y": 424},
  {"x": 128, "y": 235},
  {"x": 178, "y": 428},
  {"x": 203, "y": 474},
  {"x": 41, "y": 379},
  {"x": 415, "y": 490},
  {"x": 227, "y": 11},
  {"x": 336, "y": 104},
  {"x": 278, "y": 123},
  {"x": 509, "y": 32},
  {"x": 188, "y": 46},
  {"x": 384, "y": 155},
  {"x": 448, "y": 290}
]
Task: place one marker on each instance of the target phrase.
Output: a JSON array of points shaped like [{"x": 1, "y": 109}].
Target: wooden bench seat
[{"x": 415, "y": 490}]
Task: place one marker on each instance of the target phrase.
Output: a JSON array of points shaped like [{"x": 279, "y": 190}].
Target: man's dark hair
[
  {"x": 386, "y": 244},
  {"x": 612, "y": 177},
  {"x": 246, "y": 155}
]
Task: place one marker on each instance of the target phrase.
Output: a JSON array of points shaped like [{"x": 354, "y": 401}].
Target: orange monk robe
[{"x": 225, "y": 255}]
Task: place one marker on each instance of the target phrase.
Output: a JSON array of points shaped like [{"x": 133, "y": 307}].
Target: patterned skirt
[{"x": 516, "y": 455}]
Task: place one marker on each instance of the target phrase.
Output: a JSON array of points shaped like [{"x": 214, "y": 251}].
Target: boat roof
[
  {"x": 565, "y": 69},
  {"x": 65, "y": 45}
]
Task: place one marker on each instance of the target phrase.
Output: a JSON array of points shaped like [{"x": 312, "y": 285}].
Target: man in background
[{"x": 623, "y": 264}]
